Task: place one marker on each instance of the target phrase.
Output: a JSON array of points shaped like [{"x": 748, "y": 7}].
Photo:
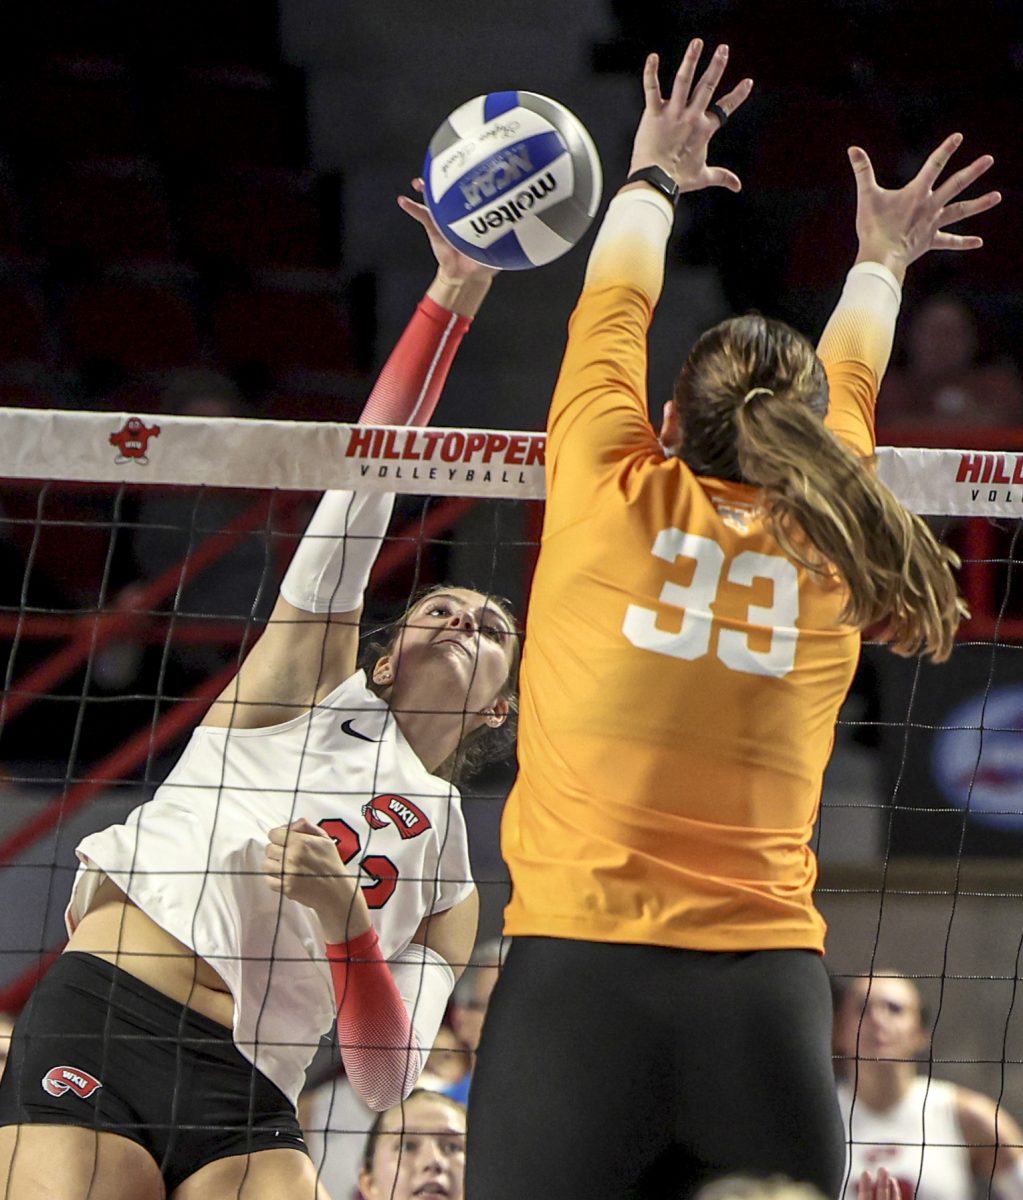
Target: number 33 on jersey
[
  {"x": 696, "y": 635},
  {"x": 691, "y": 675}
]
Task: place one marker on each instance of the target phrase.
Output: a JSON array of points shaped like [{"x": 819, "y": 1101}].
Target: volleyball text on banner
[
  {"x": 303, "y": 456},
  {"x": 313, "y": 455}
]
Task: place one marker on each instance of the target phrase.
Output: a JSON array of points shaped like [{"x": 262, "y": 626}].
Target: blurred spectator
[
  {"x": 416, "y": 1149},
  {"x": 935, "y": 1138},
  {"x": 336, "y": 1122},
  {"x": 738, "y": 1187},
  {"x": 202, "y": 392},
  {"x": 942, "y": 381},
  {"x": 469, "y": 1003},
  {"x": 447, "y": 1064}
]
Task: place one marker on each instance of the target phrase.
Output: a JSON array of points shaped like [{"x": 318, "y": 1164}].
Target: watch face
[
  {"x": 659, "y": 178},
  {"x": 667, "y": 182}
]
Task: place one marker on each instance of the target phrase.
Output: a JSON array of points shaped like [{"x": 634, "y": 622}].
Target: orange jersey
[{"x": 681, "y": 678}]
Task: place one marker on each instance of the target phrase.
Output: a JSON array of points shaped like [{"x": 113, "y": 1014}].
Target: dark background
[{"x": 196, "y": 216}]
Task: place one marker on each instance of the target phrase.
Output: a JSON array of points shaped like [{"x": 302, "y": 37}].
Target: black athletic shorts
[
  {"x": 97, "y": 1047},
  {"x": 613, "y": 1071}
]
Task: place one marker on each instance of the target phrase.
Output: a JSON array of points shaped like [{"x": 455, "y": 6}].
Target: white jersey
[
  {"x": 919, "y": 1142},
  {"x": 191, "y": 859}
]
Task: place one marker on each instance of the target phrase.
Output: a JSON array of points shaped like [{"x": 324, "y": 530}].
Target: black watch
[{"x": 659, "y": 179}]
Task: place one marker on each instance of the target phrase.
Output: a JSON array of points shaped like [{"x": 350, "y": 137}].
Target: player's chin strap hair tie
[{"x": 757, "y": 391}]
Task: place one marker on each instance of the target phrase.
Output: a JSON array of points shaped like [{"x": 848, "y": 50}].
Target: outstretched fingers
[
  {"x": 961, "y": 180},
  {"x": 955, "y": 241},
  {"x": 953, "y": 210},
  {"x": 862, "y": 167},
  {"x": 937, "y": 161},
  {"x": 737, "y": 97},
  {"x": 962, "y": 209},
  {"x": 683, "y": 83},
  {"x": 675, "y": 133},
  {"x": 867, "y": 191},
  {"x": 710, "y": 79},
  {"x": 651, "y": 84},
  {"x": 413, "y": 208},
  {"x": 722, "y": 177},
  {"x": 418, "y": 212}
]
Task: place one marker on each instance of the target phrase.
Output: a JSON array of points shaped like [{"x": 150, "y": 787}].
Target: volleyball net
[{"x": 139, "y": 559}]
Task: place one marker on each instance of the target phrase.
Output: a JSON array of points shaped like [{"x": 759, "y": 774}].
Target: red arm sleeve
[
  {"x": 379, "y": 1046},
  {"x": 408, "y": 388}
]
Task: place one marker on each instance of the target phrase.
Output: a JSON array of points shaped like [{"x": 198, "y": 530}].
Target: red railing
[{"x": 87, "y": 634}]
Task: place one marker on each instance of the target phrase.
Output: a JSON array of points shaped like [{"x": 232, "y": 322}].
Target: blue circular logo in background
[{"x": 977, "y": 758}]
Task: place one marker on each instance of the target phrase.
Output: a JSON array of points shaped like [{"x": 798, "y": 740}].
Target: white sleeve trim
[
  {"x": 631, "y": 242},
  {"x": 877, "y": 271},
  {"x": 331, "y": 566},
  {"x": 425, "y": 982},
  {"x": 863, "y": 322}
]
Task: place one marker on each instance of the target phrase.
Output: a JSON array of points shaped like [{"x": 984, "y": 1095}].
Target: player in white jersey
[
  {"x": 305, "y": 859},
  {"x": 940, "y": 1141}
]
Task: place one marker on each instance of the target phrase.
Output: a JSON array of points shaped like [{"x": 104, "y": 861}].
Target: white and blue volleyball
[{"x": 512, "y": 179}]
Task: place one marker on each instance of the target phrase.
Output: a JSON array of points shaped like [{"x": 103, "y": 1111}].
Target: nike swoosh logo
[{"x": 346, "y": 727}]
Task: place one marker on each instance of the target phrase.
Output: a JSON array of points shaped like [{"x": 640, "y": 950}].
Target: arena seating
[{"x": 153, "y": 164}]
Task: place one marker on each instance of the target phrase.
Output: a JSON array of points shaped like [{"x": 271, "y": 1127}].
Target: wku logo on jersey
[
  {"x": 59, "y": 1080},
  {"x": 408, "y": 818}
]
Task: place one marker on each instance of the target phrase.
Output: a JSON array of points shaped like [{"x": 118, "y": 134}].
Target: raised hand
[
  {"x": 302, "y": 863},
  {"x": 454, "y": 266},
  {"x": 674, "y": 134},
  {"x": 896, "y": 227}
]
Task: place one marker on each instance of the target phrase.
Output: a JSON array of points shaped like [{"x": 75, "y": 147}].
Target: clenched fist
[{"x": 302, "y": 863}]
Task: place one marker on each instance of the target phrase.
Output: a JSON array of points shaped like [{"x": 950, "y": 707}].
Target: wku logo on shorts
[
  {"x": 59, "y": 1080},
  {"x": 408, "y": 818}
]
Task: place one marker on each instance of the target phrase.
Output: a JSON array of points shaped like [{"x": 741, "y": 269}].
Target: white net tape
[{"x": 310, "y": 456}]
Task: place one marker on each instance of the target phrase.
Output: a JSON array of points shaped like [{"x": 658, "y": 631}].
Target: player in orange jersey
[{"x": 664, "y": 1014}]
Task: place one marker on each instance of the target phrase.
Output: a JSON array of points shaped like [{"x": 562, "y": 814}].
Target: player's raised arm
[
  {"x": 311, "y": 641},
  {"x": 599, "y": 412},
  {"x": 894, "y": 228},
  {"x": 669, "y": 158}
]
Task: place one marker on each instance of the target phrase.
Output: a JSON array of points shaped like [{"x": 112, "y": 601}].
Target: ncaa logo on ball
[
  {"x": 512, "y": 179},
  {"x": 500, "y": 173}
]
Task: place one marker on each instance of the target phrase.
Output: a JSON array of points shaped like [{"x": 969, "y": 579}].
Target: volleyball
[{"x": 512, "y": 179}]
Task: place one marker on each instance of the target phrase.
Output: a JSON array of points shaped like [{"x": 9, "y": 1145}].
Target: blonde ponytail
[
  {"x": 751, "y": 399},
  {"x": 831, "y": 514}
]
